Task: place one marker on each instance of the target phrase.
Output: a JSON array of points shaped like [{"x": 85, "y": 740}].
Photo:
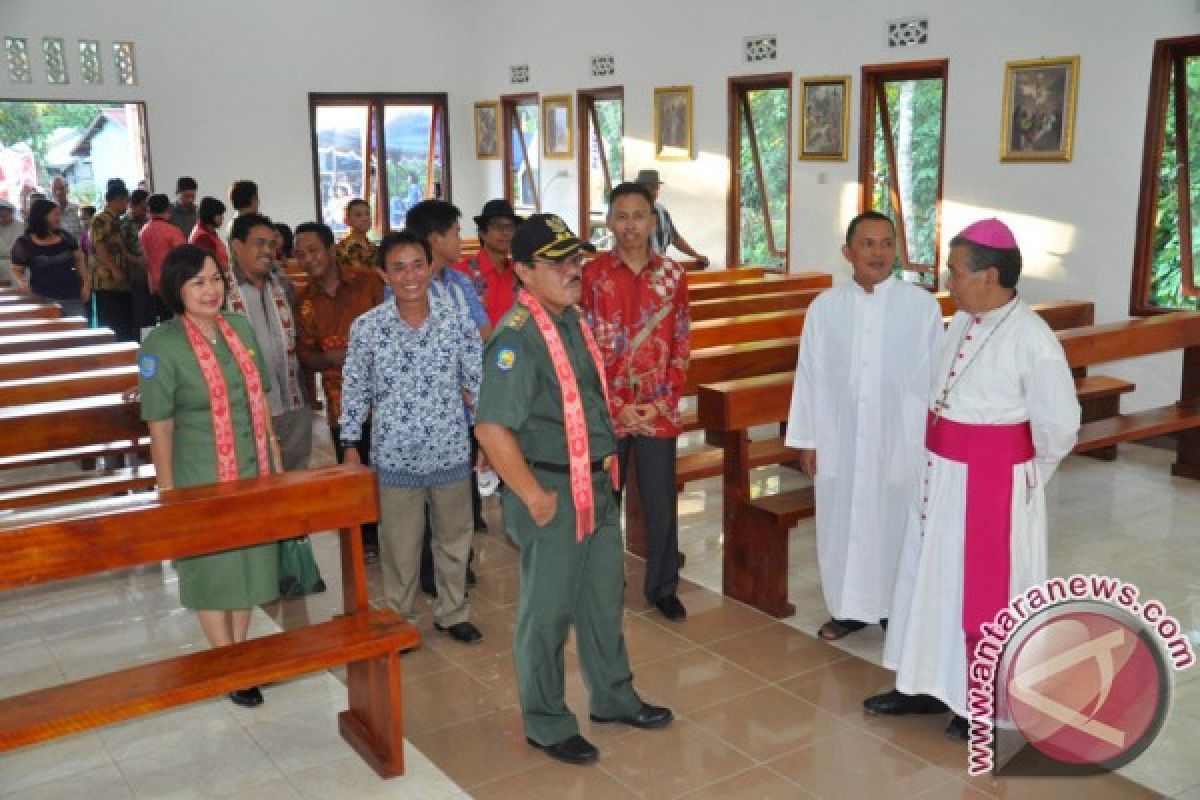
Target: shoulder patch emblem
[
  {"x": 148, "y": 366},
  {"x": 518, "y": 317},
  {"x": 505, "y": 359}
]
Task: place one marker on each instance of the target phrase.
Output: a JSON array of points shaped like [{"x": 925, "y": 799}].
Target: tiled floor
[{"x": 764, "y": 709}]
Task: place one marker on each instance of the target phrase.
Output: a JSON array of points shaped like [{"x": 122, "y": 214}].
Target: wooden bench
[
  {"x": 54, "y": 340},
  {"x": 69, "y": 386},
  {"x": 719, "y": 275},
  {"x": 1098, "y": 344},
  {"x": 29, "y": 310},
  {"x": 73, "y": 359},
  {"x": 18, "y": 327},
  {"x": 748, "y": 288},
  {"x": 71, "y": 543}
]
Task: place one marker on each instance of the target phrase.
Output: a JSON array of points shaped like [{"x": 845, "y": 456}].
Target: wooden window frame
[
  {"x": 737, "y": 86},
  {"x": 873, "y": 78},
  {"x": 1169, "y": 55},
  {"x": 508, "y": 114},
  {"x": 585, "y": 117},
  {"x": 375, "y": 103}
]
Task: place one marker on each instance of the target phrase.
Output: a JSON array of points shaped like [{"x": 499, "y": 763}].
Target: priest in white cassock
[
  {"x": 858, "y": 417},
  {"x": 1003, "y": 415}
]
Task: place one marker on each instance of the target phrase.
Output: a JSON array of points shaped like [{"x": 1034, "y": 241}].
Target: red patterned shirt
[{"x": 619, "y": 304}]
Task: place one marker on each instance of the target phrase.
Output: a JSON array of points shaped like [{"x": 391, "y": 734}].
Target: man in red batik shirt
[{"x": 636, "y": 301}]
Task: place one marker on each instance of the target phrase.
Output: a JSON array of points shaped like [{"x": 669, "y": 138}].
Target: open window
[
  {"x": 901, "y": 156},
  {"x": 87, "y": 144},
  {"x": 354, "y": 134},
  {"x": 1165, "y": 275},
  {"x": 760, "y": 179},
  {"x": 523, "y": 153},
  {"x": 601, "y": 158}
]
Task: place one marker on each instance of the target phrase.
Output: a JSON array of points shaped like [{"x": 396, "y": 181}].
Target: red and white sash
[
  {"x": 574, "y": 421},
  {"x": 218, "y": 398}
]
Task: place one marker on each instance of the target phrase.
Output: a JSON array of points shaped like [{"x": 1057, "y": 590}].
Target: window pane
[
  {"x": 525, "y": 174},
  {"x": 342, "y": 142},
  {"x": 769, "y": 112},
  {"x": 85, "y": 143},
  {"x": 1166, "y": 285},
  {"x": 610, "y": 117},
  {"x": 414, "y": 154},
  {"x": 915, "y": 114}
]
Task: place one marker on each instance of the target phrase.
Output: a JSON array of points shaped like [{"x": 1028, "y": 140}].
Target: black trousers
[
  {"x": 655, "y": 457},
  {"x": 114, "y": 310},
  {"x": 371, "y": 529}
]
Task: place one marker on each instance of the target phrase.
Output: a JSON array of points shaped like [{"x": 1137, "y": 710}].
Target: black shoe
[
  {"x": 463, "y": 632},
  {"x": 883, "y": 623},
  {"x": 471, "y": 579},
  {"x": 481, "y": 526},
  {"x": 647, "y": 717},
  {"x": 247, "y": 698},
  {"x": 671, "y": 608},
  {"x": 573, "y": 750},
  {"x": 958, "y": 729},
  {"x": 896, "y": 703},
  {"x": 429, "y": 588}
]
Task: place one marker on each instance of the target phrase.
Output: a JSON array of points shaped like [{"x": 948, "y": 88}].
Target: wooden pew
[
  {"x": 18, "y": 327},
  {"x": 38, "y": 548},
  {"x": 54, "y": 340},
  {"x": 748, "y": 327},
  {"x": 771, "y": 285},
  {"x": 751, "y": 304},
  {"x": 29, "y": 310},
  {"x": 1099, "y": 344},
  {"x": 73, "y": 359},
  {"x": 720, "y": 275},
  {"x": 69, "y": 386}
]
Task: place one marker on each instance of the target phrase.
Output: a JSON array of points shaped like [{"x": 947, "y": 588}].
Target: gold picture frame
[
  {"x": 673, "y": 123},
  {"x": 824, "y": 118},
  {"x": 487, "y": 129},
  {"x": 1038, "y": 122},
  {"x": 557, "y": 126}
]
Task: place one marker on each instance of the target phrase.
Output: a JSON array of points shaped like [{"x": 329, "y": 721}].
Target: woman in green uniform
[{"x": 203, "y": 387}]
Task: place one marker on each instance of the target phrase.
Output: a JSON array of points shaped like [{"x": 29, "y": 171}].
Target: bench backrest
[
  {"x": 73, "y": 359},
  {"x": 769, "y": 285},
  {"x": 719, "y": 275},
  {"x": 1097, "y": 344},
  {"x": 727, "y": 362},
  {"x": 747, "y": 328},
  {"x": 17, "y": 327},
  {"x": 46, "y": 388},
  {"x": 63, "y": 424},
  {"x": 741, "y": 404},
  {"x": 30, "y": 311},
  {"x": 54, "y": 340},
  {"x": 753, "y": 304}
]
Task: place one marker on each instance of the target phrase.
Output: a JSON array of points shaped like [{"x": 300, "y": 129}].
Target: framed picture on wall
[
  {"x": 825, "y": 118},
  {"x": 673, "y": 123},
  {"x": 556, "y": 126},
  {"x": 487, "y": 143},
  {"x": 1039, "y": 109}
]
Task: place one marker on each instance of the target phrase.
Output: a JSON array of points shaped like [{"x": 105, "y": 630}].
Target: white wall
[{"x": 226, "y": 84}]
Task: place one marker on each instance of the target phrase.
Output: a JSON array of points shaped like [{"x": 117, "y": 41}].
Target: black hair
[
  {"x": 285, "y": 232},
  {"x": 36, "y": 222},
  {"x": 243, "y": 224},
  {"x": 158, "y": 203},
  {"x": 403, "y": 237},
  {"x": 358, "y": 201},
  {"x": 186, "y": 184},
  {"x": 863, "y": 217},
  {"x": 181, "y": 265},
  {"x": 431, "y": 216},
  {"x": 628, "y": 188},
  {"x": 323, "y": 231},
  {"x": 116, "y": 190},
  {"x": 88, "y": 211},
  {"x": 138, "y": 196},
  {"x": 1006, "y": 260},
  {"x": 210, "y": 209},
  {"x": 242, "y": 194}
]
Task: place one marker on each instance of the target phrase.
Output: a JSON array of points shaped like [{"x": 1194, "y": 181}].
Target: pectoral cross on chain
[{"x": 941, "y": 405}]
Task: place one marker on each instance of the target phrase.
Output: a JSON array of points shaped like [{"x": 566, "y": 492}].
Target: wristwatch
[{"x": 350, "y": 443}]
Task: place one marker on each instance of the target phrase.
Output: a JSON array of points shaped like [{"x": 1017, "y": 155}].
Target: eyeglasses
[{"x": 559, "y": 266}]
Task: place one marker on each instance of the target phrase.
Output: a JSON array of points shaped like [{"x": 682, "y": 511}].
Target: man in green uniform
[{"x": 543, "y": 422}]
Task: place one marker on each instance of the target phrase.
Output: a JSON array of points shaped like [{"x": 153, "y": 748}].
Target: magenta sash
[{"x": 990, "y": 452}]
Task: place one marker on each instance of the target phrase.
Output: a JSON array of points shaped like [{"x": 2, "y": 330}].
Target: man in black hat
[
  {"x": 666, "y": 234},
  {"x": 491, "y": 270},
  {"x": 544, "y": 423}
]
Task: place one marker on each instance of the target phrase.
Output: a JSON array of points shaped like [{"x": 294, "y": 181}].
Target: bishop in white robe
[
  {"x": 1003, "y": 415},
  {"x": 858, "y": 415}
]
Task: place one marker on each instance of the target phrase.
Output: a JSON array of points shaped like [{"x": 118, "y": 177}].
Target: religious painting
[
  {"x": 825, "y": 119},
  {"x": 1039, "y": 109},
  {"x": 487, "y": 143},
  {"x": 673, "y": 123},
  {"x": 556, "y": 122}
]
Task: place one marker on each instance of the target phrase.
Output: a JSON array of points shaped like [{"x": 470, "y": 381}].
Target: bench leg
[
  {"x": 1101, "y": 408},
  {"x": 755, "y": 564},
  {"x": 374, "y": 723},
  {"x": 1187, "y": 462}
]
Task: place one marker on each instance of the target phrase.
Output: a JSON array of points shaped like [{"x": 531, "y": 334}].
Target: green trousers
[{"x": 565, "y": 583}]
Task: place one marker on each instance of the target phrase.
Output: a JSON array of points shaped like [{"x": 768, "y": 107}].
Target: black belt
[{"x": 565, "y": 469}]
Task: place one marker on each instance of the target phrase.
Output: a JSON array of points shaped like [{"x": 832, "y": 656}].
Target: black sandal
[{"x": 838, "y": 628}]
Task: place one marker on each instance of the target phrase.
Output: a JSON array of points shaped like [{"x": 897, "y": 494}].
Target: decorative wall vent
[
  {"x": 56, "y": 60},
  {"x": 126, "y": 66},
  {"x": 519, "y": 73},
  {"x": 89, "y": 62},
  {"x": 764, "y": 47},
  {"x": 603, "y": 66},
  {"x": 908, "y": 32},
  {"x": 17, "y": 50}
]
